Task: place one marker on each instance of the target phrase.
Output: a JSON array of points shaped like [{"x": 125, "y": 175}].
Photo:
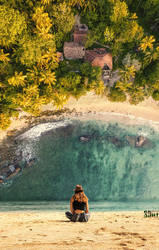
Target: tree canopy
[{"x": 32, "y": 31}]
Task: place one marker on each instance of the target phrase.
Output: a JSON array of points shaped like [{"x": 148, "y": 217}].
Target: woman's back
[{"x": 79, "y": 205}]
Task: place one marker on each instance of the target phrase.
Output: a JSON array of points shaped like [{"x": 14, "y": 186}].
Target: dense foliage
[{"x": 32, "y": 31}]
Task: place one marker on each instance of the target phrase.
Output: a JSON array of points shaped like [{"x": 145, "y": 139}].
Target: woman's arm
[
  {"x": 71, "y": 205},
  {"x": 87, "y": 207}
]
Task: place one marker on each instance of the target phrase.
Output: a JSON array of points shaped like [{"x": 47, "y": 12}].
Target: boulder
[
  {"x": 11, "y": 174},
  {"x": 131, "y": 140},
  {"x": 85, "y": 138},
  {"x": 140, "y": 140},
  {"x": 30, "y": 162}
]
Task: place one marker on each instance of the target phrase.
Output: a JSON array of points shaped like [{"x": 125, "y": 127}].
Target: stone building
[
  {"x": 99, "y": 57},
  {"x": 73, "y": 50},
  {"x": 80, "y": 34}
]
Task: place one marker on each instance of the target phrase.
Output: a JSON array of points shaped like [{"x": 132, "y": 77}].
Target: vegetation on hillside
[{"x": 32, "y": 31}]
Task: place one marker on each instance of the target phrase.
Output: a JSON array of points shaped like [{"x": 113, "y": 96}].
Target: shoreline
[
  {"x": 42, "y": 206},
  {"x": 32, "y": 127},
  {"x": 104, "y": 230},
  {"x": 88, "y": 107},
  {"x": 115, "y": 230}
]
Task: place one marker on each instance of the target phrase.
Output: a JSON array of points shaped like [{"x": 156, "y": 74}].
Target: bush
[
  {"x": 155, "y": 95},
  {"x": 116, "y": 95},
  {"x": 4, "y": 121}
]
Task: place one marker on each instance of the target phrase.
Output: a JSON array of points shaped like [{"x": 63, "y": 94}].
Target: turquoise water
[
  {"x": 109, "y": 172},
  {"x": 63, "y": 206}
]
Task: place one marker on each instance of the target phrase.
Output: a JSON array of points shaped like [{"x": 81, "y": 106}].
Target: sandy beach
[
  {"x": 104, "y": 231},
  {"x": 90, "y": 106}
]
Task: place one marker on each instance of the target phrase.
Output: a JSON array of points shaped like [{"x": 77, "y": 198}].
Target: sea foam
[{"x": 36, "y": 131}]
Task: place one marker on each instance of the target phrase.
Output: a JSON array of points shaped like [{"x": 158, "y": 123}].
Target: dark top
[{"x": 79, "y": 205}]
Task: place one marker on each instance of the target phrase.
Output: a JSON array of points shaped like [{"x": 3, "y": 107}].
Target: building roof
[
  {"x": 73, "y": 50},
  {"x": 80, "y": 34},
  {"x": 72, "y": 45},
  {"x": 99, "y": 57},
  {"x": 77, "y": 31},
  {"x": 81, "y": 29},
  {"x": 60, "y": 55}
]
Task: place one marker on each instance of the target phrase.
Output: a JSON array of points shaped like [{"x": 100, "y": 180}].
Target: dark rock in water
[
  {"x": 85, "y": 138},
  {"x": 131, "y": 140},
  {"x": 1, "y": 179},
  {"x": 13, "y": 172},
  {"x": 116, "y": 141},
  {"x": 7, "y": 172},
  {"x": 139, "y": 141},
  {"x": 30, "y": 162},
  {"x": 146, "y": 144}
]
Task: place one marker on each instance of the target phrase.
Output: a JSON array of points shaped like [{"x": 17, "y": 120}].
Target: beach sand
[
  {"x": 148, "y": 109},
  {"x": 53, "y": 231},
  {"x": 89, "y": 106}
]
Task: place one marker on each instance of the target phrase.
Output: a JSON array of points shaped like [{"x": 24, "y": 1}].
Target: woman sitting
[{"x": 78, "y": 206}]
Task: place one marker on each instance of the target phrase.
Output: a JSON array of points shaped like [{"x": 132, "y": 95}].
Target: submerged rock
[
  {"x": 112, "y": 139},
  {"x": 131, "y": 140},
  {"x": 116, "y": 141},
  {"x": 13, "y": 172},
  {"x": 139, "y": 141},
  {"x": 1, "y": 178},
  {"x": 7, "y": 172},
  {"x": 30, "y": 162},
  {"x": 85, "y": 138}
]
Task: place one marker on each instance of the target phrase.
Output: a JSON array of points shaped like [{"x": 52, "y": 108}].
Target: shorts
[{"x": 83, "y": 217}]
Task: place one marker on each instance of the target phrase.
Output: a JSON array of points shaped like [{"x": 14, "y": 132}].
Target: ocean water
[
  {"x": 63, "y": 206},
  {"x": 114, "y": 173}
]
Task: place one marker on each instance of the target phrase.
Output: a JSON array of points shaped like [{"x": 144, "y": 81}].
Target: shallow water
[
  {"x": 108, "y": 171},
  {"x": 98, "y": 206}
]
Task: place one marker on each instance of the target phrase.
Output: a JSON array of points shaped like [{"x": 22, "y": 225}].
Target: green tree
[
  {"x": 71, "y": 83},
  {"x": 147, "y": 42},
  {"x": 17, "y": 80},
  {"x": 43, "y": 23},
  {"x": 92, "y": 73},
  {"x": 119, "y": 11},
  {"x": 60, "y": 99},
  {"x": 4, "y": 121},
  {"x": 136, "y": 94},
  {"x": 33, "y": 50},
  {"x": 63, "y": 21},
  {"x": 128, "y": 73},
  {"x": 116, "y": 95},
  {"x": 84, "y": 4},
  {"x": 12, "y": 25},
  {"x": 4, "y": 57},
  {"x": 155, "y": 95},
  {"x": 47, "y": 77},
  {"x": 109, "y": 34}
]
